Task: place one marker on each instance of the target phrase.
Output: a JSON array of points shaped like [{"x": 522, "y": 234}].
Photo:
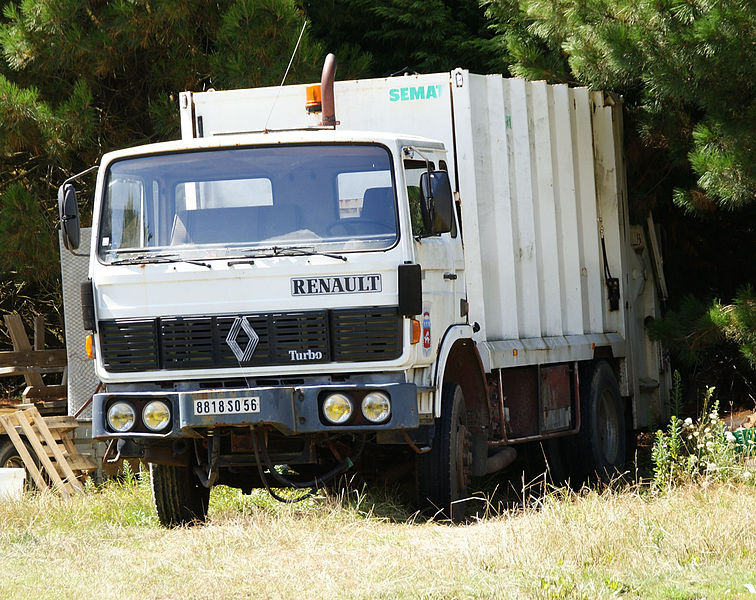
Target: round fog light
[
  {"x": 376, "y": 407},
  {"x": 121, "y": 416},
  {"x": 337, "y": 408},
  {"x": 156, "y": 415}
]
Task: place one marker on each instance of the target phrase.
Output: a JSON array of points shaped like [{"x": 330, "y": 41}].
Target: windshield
[{"x": 244, "y": 201}]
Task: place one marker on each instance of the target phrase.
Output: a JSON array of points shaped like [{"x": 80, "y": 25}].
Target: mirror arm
[
  {"x": 427, "y": 167},
  {"x": 85, "y": 172}
]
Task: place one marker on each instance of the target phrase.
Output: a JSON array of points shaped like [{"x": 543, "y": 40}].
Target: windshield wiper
[
  {"x": 290, "y": 251},
  {"x": 143, "y": 259}
]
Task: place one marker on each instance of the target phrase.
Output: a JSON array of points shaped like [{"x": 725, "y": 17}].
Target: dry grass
[{"x": 689, "y": 543}]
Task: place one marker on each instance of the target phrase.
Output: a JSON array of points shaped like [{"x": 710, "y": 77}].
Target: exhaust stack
[{"x": 326, "y": 88}]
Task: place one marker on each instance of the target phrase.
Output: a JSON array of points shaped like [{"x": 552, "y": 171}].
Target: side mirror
[
  {"x": 436, "y": 202},
  {"x": 68, "y": 210}
]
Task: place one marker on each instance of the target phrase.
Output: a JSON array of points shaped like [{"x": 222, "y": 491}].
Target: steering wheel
[{"x": 358, "y": 226}]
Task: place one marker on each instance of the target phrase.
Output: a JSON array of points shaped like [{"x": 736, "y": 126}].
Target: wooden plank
[
  {"x": 31, "y": 467},
  {"x": 12, "y": 371},
  {"x": 44, "y": 432},
  {"x": 32, "y": 438},
  {"x": 61, "y": 423},
  {"x": 45, "y": 391},
  {"x": 21, "y": 342},
  {"x": 51, "y": 406},
  {"x": 39, "y": 332},
  {"x": 34, "y": 358},
  {"x": 82, "y": 462},
  {"x": 68, "y": 445},
  {"x": 18, "y": 371}
]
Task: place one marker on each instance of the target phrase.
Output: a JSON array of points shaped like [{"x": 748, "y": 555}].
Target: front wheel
[
  {"x": 180, "y": 498},
  {"x": 443, "y": 474}
]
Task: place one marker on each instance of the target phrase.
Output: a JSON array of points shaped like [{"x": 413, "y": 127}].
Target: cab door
[{"x": 442, "y": 263}]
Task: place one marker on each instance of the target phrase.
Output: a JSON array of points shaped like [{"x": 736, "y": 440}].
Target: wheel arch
[{"x": 459, "y": 362}]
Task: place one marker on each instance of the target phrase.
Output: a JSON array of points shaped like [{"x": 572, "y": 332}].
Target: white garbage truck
[{"x": 314, "y": 274}]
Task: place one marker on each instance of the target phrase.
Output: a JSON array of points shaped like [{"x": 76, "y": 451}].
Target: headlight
[
  {"x": 376, "y": 407},
  {"x": 337, "y": 408},
  {"x": 121, "y": 416},
  {"x": 156, "y": 415}
]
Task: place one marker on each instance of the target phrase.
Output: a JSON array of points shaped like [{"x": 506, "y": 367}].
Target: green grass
[{"x": 690, "y": 542}]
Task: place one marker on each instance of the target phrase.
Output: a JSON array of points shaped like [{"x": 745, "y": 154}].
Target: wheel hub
[{"x": 608, "y": 429}]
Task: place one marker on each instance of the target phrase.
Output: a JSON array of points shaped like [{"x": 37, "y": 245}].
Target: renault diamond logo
[{"x": 239, "y": 324}]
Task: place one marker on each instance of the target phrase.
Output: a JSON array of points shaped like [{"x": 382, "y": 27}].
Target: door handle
[{"x": 450, "y": 276}]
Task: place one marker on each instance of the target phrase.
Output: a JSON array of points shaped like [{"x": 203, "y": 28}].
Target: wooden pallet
[
  {"x": 62, "y": 467},
  {"x": 32, "y": 362}
]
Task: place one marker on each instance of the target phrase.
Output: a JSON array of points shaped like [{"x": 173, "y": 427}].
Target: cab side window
[{"x": 412, "y": 171}]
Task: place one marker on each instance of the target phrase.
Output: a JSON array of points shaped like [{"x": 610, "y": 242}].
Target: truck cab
[{"x": 266, "y": 289}]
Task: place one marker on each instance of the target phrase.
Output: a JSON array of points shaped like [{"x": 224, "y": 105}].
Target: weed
[
  {"x": 561, "y": 589},
  {"x": 701, "y": 451},
  {"x": 676, "y": 401}
]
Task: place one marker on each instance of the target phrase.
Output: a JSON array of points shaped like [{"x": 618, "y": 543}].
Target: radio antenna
[{"x": 291, "y": 60}]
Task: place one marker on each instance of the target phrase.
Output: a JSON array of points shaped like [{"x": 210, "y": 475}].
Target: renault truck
[{"x": 442, "y": 264}]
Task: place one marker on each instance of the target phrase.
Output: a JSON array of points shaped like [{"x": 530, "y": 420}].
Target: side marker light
[{"x": 416, "y": 331}]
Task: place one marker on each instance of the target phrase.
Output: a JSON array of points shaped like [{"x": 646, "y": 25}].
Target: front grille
[
  {"x": 129, "y": 345},
  {"x": 360, "y": 335},
  {"x": 172, "y": 343},
  {"x": 298, "y": 333},
  {"x": 188, "y": 343}
]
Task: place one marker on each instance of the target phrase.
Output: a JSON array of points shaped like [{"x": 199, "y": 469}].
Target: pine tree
[{"x": 421, "y": 36}]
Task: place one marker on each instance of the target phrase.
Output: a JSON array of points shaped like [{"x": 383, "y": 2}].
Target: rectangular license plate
[{"x": 231, "y": 405}]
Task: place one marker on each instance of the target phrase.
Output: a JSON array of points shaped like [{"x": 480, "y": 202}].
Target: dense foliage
[
  {"x": 399, "y": 36},
  {"x": 79, "y": 78}
]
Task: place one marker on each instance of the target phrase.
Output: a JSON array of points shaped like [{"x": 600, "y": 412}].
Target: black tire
[
  {"x": 443, "y": 474},
  {"x": 10, "y": 458},
  {"x": 180, "y": 498},
  {"x": 603, "y": 436},
  {"x": 558, "y": 461}
]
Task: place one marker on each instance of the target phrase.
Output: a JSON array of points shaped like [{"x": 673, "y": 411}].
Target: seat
[
  {"x": 378, "y": 207},
  {"x": 215, "y": 225},
  {"x": 278, "y": 220}
]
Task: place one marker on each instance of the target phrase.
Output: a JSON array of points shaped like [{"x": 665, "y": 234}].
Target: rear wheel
[
  {"x": 443, "y": 474},
  {"x": 9, "y": 456},
  {"x": 603, "y": 435},
  {"x": 180, "y": 498}
]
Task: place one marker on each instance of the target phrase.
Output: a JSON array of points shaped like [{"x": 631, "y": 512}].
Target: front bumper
[{"x": 290, "y": 409}]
